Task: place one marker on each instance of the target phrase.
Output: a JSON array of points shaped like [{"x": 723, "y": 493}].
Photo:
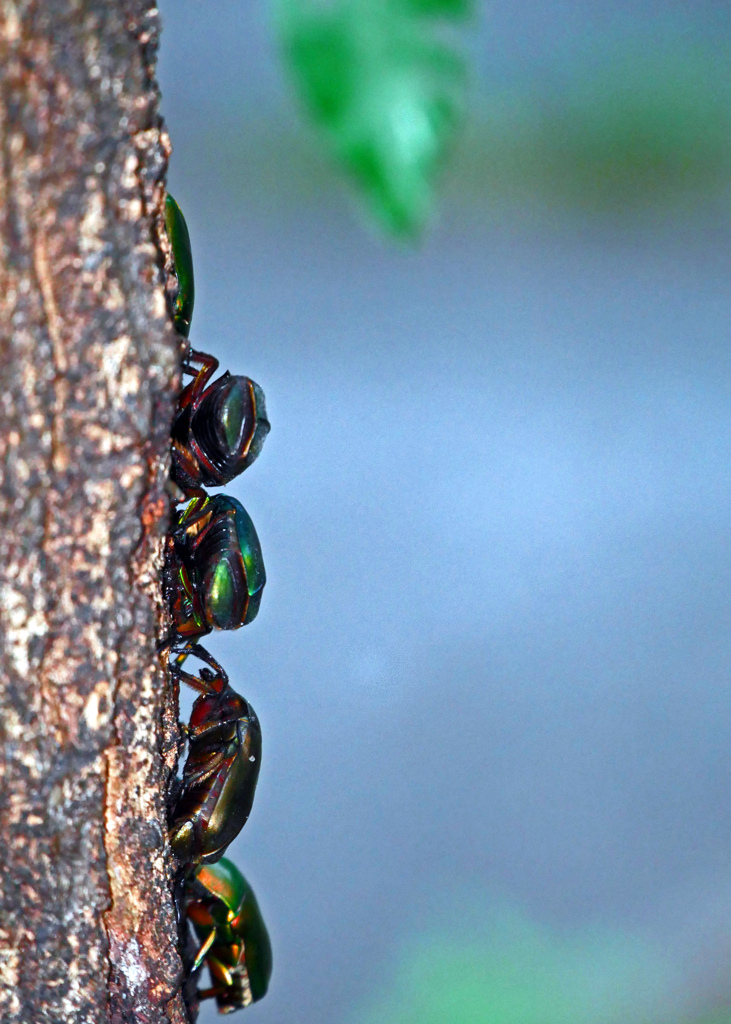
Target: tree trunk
[{"x": 90, "y": 368}]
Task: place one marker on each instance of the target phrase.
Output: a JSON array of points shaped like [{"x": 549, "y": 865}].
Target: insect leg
[
  {"x": 208, "y": 366},
  {"x": 201, "y": 954}
]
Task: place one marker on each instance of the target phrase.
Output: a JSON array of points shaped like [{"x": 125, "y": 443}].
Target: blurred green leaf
[
  {"x": 436, "y": 8},
  {"x": 386, "y": 87},
  {"x": 509, "y": 970}
]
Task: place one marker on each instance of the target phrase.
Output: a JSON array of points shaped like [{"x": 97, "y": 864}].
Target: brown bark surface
[{"x": 89, "y": 370}]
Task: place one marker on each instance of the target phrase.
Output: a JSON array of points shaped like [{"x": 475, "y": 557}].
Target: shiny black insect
[
  {"x": 214, "y": 577},
  {"x": 219, "y": 428},
  {"x": 220, "y": 425},
  {"x": 222, "y": 766}
]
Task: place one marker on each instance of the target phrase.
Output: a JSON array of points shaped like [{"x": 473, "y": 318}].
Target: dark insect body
[
  {"x": 219, "y": 428},
  {"x": 222, "y": 766},
  {"x": 214, "y": 577},
  {"x": 214, "y": 572},
  {"x": 220, "y": 425},
  {"x": 234, "y": 940},
  {"x": 177, "y": 231}
]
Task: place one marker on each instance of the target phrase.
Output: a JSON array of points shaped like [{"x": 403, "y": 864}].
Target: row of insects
[{"x": 214, "y": 578}]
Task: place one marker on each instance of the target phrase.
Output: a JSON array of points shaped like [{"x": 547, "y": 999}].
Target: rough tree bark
[{"x": 89, "y": 370}]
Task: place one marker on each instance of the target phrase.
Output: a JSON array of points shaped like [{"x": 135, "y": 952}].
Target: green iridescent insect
[
  {"x": 222, "y": 767},
  {"x": 182, "y": 255},
  {"x": 220, "y": 425},
  {"x": 234, "y": 940},
  {"x": 214, "y": 571}
]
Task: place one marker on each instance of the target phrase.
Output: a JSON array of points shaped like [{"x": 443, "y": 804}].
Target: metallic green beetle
[
  {"x": 177, "y": 231},
  {"x": 222, "y": 766},
  {"x": 214, "y": 571},
  {"x": 234, "y": 940}
]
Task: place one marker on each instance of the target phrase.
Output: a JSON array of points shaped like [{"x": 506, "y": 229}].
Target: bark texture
[{"x": 89, "y": 370}]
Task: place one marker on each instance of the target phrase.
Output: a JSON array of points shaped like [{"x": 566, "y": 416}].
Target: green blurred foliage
[
  {"x": 509, "y": 970},
  {"x": 626, "y": 131},
  {"x": 435, "y": 8},
  {"x": 641, "y": 128},
  {"x": 385, "y": 84},
  {"x": 472, "y": 961}
]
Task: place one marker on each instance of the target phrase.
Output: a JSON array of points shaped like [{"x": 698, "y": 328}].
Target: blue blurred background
[{"x": 492, "y": 659}]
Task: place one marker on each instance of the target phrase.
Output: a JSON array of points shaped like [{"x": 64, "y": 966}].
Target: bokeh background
[{"x": 492, "y": 660}]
